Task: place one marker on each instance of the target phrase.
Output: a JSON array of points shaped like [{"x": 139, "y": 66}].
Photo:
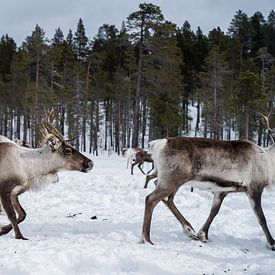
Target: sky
[{"x": 18, "y": 18}]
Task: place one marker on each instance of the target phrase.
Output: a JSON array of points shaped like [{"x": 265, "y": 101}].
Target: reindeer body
[
  {"x": 226, "y": 164},
  {"x": 220, "y": 166},
  {"x": 129, "y": 153},
  {"x": 23, "y": 169},
  {"x": 141, "y": 157}
]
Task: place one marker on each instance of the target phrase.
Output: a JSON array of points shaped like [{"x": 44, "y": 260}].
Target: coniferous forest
[{"x": 140, "y": 81}]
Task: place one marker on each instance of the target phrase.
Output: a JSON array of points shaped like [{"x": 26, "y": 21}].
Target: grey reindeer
[
  {"x": 220, "y": 166},
  {"x": 24, "y": 169}
]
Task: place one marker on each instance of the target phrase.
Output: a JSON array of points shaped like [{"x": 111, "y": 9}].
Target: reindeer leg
[
  {"x": 132, "y": 168},
  {"x": 129, "y": 161},
  {"x": 151, "y": 168},
  {"x": 216, "y": 205},
  {"x": 255, "y": 198},
  {"x": 187, "y": 227},
  {"x": 150, "y": 177},
  {"x": 19, "y": 210},
  {"x": 8, "y": 207},
  {"x": 139, "y": 166},
  {"x": 150, "y": 203},
  {"x": 127, "y": 165}
]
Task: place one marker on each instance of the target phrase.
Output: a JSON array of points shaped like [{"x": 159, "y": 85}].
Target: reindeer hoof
[
  {"x": 21, "y": 238},
  {"x": 190, "y": 232},
  {"x": 202, "y": 237},
  {"x": 271, "y": 246},
  {"x": 143, "y": 240},
  {"x": 194, "y": 237}
]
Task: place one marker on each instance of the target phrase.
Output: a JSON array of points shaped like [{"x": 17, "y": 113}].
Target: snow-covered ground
[{"x": 91, "y": 224}]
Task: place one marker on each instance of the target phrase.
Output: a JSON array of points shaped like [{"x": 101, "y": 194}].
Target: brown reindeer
[
  {"x": 129, "y": 153},
  {"x": 141, "y": 157}
]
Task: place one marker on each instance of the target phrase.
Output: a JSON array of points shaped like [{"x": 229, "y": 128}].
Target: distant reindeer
[
  {"x": 25, "y": 169},
  {"x": 221, "y": 166},
  {"x": 20, "y": 142},
  {"x": 150, "y": 177},
  {"x": 141, "y": 157},
  {"x": 129, "y": 153}
]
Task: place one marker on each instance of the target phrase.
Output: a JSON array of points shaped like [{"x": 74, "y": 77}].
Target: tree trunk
[
  {"x": 246, "y": 133},
  {"x": 91, "y": 126},
  {"x": 18, "y": 124},
  {"x": 84, "y": 121},
  {"x": 96, "y": 129},
  {"x": 198, "y": 118},
  {"x": 144, "y": 121},
  {"x": 260, "y": 134},
  {"x": 135, "y": 139}
]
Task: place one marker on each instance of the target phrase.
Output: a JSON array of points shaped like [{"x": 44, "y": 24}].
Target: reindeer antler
[
  {"x": 46, "y": 126},
  {"x": 49, "y": 116},
  {"x": 267, "y": 125}
]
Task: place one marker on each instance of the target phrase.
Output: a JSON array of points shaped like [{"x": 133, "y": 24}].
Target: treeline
[{"x": 140, "y": 82}]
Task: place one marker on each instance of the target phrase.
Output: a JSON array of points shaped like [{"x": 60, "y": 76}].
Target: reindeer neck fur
[
  {"x": 270, "y": 152},
  {"x": 42, "y": 161}
]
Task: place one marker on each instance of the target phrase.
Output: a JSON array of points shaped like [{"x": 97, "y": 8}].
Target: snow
[{"x": 64, "y": 239}]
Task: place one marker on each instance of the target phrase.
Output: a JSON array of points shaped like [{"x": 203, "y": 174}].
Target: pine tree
[
  {"x": 80, "y": 42},
  {"x": 141, "y": 23},
  {"x": 58, "y": 38},
  {"x": 186, "y": 42},
  {"x": 213, "y": 93},
  {"x": 250, "y": 98},
  {"x": 37, "y": 50},
  {"x": 162, "y": 82},
  {"x": 21, "y": 88},
  {"x": 7, "y": 51},
  {"x": 240, "y": 30},
  {"x": 257, "y": 33},
  {"x": 69, "y": 38},
  {"x": 271, "y": 33}
]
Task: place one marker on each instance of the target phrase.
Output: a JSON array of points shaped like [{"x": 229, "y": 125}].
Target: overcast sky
[{"x": 19, "y": 17}]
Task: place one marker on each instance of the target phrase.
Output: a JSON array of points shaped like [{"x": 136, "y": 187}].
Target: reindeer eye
[{"x": 68, "y": 151}]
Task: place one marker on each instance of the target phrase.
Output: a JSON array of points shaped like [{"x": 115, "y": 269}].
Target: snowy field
[{"x": 91, "y": 224}]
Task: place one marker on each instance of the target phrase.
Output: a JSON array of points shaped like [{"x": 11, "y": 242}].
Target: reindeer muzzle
[{"x": 89, "y": 166}]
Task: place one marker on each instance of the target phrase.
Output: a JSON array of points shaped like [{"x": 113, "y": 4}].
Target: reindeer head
[{"x": 73, "y": 159}]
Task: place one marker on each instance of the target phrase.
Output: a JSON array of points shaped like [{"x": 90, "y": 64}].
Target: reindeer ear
[
  {"x": 53, "y": 142},
  {"x": 50, "y": 135}
]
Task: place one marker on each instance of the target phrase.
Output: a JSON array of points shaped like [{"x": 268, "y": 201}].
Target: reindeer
[
  {"x": 141, "y": 157},
  {"x": 24, "y": 169},
  {"x": 221, "y": 166},
  {"x": 20, "y": 142},
  {"x": 129, "y": 153}
]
